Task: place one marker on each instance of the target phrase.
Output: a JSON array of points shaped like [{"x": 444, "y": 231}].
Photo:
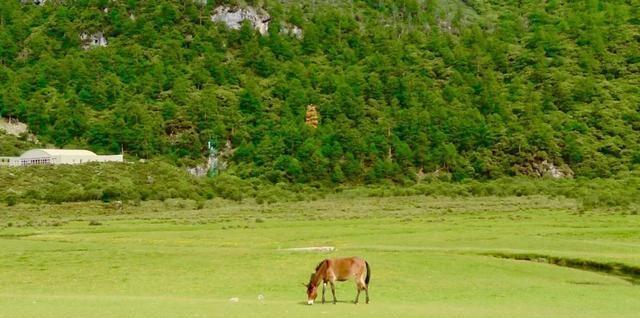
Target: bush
[{"x": 11, "y": 199}]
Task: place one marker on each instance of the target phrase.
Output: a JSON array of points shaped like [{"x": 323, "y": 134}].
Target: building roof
[{"x": 57, "y": 152}]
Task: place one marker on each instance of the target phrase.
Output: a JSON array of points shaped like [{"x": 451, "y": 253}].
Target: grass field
[{"x": 429, "y": 258}]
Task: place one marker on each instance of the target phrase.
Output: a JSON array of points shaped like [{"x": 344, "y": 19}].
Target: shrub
[{"x": 11, "y": 199}]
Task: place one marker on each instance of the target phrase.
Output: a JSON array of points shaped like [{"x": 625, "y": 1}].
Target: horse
[{"x": 339, "y": 269}]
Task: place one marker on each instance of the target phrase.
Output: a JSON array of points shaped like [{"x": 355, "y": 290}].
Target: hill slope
[{"x": 475, "y": 88}]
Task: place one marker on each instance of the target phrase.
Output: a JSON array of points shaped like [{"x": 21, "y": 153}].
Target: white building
[{"x": 57, "y": 156}]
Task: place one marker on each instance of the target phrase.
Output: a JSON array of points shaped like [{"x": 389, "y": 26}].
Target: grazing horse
[{"x": 339, "y": 269}]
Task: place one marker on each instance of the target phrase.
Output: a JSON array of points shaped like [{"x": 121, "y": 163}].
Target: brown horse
[{"x": 339, "y": 269}]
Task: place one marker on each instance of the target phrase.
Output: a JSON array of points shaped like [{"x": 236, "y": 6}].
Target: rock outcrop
[
  {"x": 216, "y": 162},
  {"x": 292, "y": 30},
  {"x": 544, "y": 168},
  {"x": 93, "y": 40},
  {"x": 233, "y": 17},
  {"x": 36, "y": 2},
  {"x": 13, "y": 126}
]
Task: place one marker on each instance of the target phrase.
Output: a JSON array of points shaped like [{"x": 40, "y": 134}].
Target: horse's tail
[{"x": 366, "y": 279}]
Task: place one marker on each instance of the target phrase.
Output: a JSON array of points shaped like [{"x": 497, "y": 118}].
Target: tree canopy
[{"x": 477, "y": 89}]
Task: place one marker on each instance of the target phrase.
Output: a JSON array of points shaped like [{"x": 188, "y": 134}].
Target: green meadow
[{"x": 429, "y": 257}]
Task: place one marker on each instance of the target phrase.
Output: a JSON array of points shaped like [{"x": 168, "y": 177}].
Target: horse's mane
[{"x": 320, "y": 264}]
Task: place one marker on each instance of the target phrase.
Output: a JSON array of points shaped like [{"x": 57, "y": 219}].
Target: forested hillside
[{"x": 471, "y": 89}]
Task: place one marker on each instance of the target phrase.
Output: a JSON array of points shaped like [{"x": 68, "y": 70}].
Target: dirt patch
[{"x": 311, "y": 249}]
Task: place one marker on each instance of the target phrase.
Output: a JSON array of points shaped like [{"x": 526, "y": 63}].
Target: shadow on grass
[
  {"x": 623, "y": 271},
  {"x": 328, "y": 303}
]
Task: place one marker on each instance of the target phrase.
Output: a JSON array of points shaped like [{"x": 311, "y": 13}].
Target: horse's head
[{"x": 312, "y": 290}]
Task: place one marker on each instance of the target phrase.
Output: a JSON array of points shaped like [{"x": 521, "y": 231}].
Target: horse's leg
[
  {"x": 360, "y": 285},
  {"x": 324, "y": 286},
  {"x": 366, "y": 290},
  {"x": 333, "y": 291}
]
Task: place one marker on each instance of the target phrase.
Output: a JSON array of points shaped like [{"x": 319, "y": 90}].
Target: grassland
[{"x": 429, "y": 256}]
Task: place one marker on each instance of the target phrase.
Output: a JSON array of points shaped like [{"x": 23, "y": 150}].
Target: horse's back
[{"x": 345, "y": 268}]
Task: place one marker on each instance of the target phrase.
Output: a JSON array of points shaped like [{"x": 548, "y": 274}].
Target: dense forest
[{"x": 469, "y": 89}]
